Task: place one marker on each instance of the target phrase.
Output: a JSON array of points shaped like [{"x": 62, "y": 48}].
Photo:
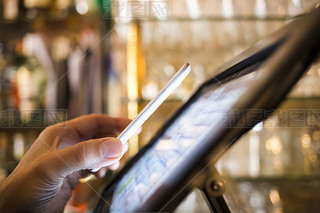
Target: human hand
[{"x": 62, "y": 154}]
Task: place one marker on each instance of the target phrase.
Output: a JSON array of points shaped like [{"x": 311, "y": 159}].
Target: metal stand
[
  {"x": 212, "y": 186},
  {"x": 213, "y": 189}
]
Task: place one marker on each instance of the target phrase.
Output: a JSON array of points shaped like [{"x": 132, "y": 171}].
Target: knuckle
[
  {"x": 95, "y": 115},
  {"x": 52, "y": 130},
  {"x": 48, "y": 129}
]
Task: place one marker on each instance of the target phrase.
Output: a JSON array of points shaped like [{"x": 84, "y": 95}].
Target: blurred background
[{"x": 61, "y": 59}]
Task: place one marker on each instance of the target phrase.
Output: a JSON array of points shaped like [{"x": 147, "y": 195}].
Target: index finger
[{"x": 94, "y": 125}]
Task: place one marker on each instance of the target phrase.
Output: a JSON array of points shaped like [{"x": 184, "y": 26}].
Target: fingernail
[{"x": 111, "y": 148}]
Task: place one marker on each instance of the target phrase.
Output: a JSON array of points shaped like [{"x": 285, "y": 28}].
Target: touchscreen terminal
[
  {"x": 203, "y": 114},
  {"x": 257, "y": 79}
]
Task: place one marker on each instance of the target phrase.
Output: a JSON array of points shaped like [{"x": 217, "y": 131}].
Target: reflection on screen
[{"x": 204, "y": 113}]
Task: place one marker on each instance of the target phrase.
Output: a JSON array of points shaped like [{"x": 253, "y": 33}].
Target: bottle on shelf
[
  {"x": 22, "y": 85},
  {"x": 31, "y": 80},
  {"x": 10, "y": 10}
]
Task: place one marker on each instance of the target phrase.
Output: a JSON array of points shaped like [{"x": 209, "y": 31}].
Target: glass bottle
[{"x": 30, "y": 82}]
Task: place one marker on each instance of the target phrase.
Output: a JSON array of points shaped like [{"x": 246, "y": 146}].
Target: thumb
[{"x": 88, "y": 154}]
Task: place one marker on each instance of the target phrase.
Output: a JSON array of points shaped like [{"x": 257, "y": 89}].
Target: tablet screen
[{"x": 203, "y": 114}]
